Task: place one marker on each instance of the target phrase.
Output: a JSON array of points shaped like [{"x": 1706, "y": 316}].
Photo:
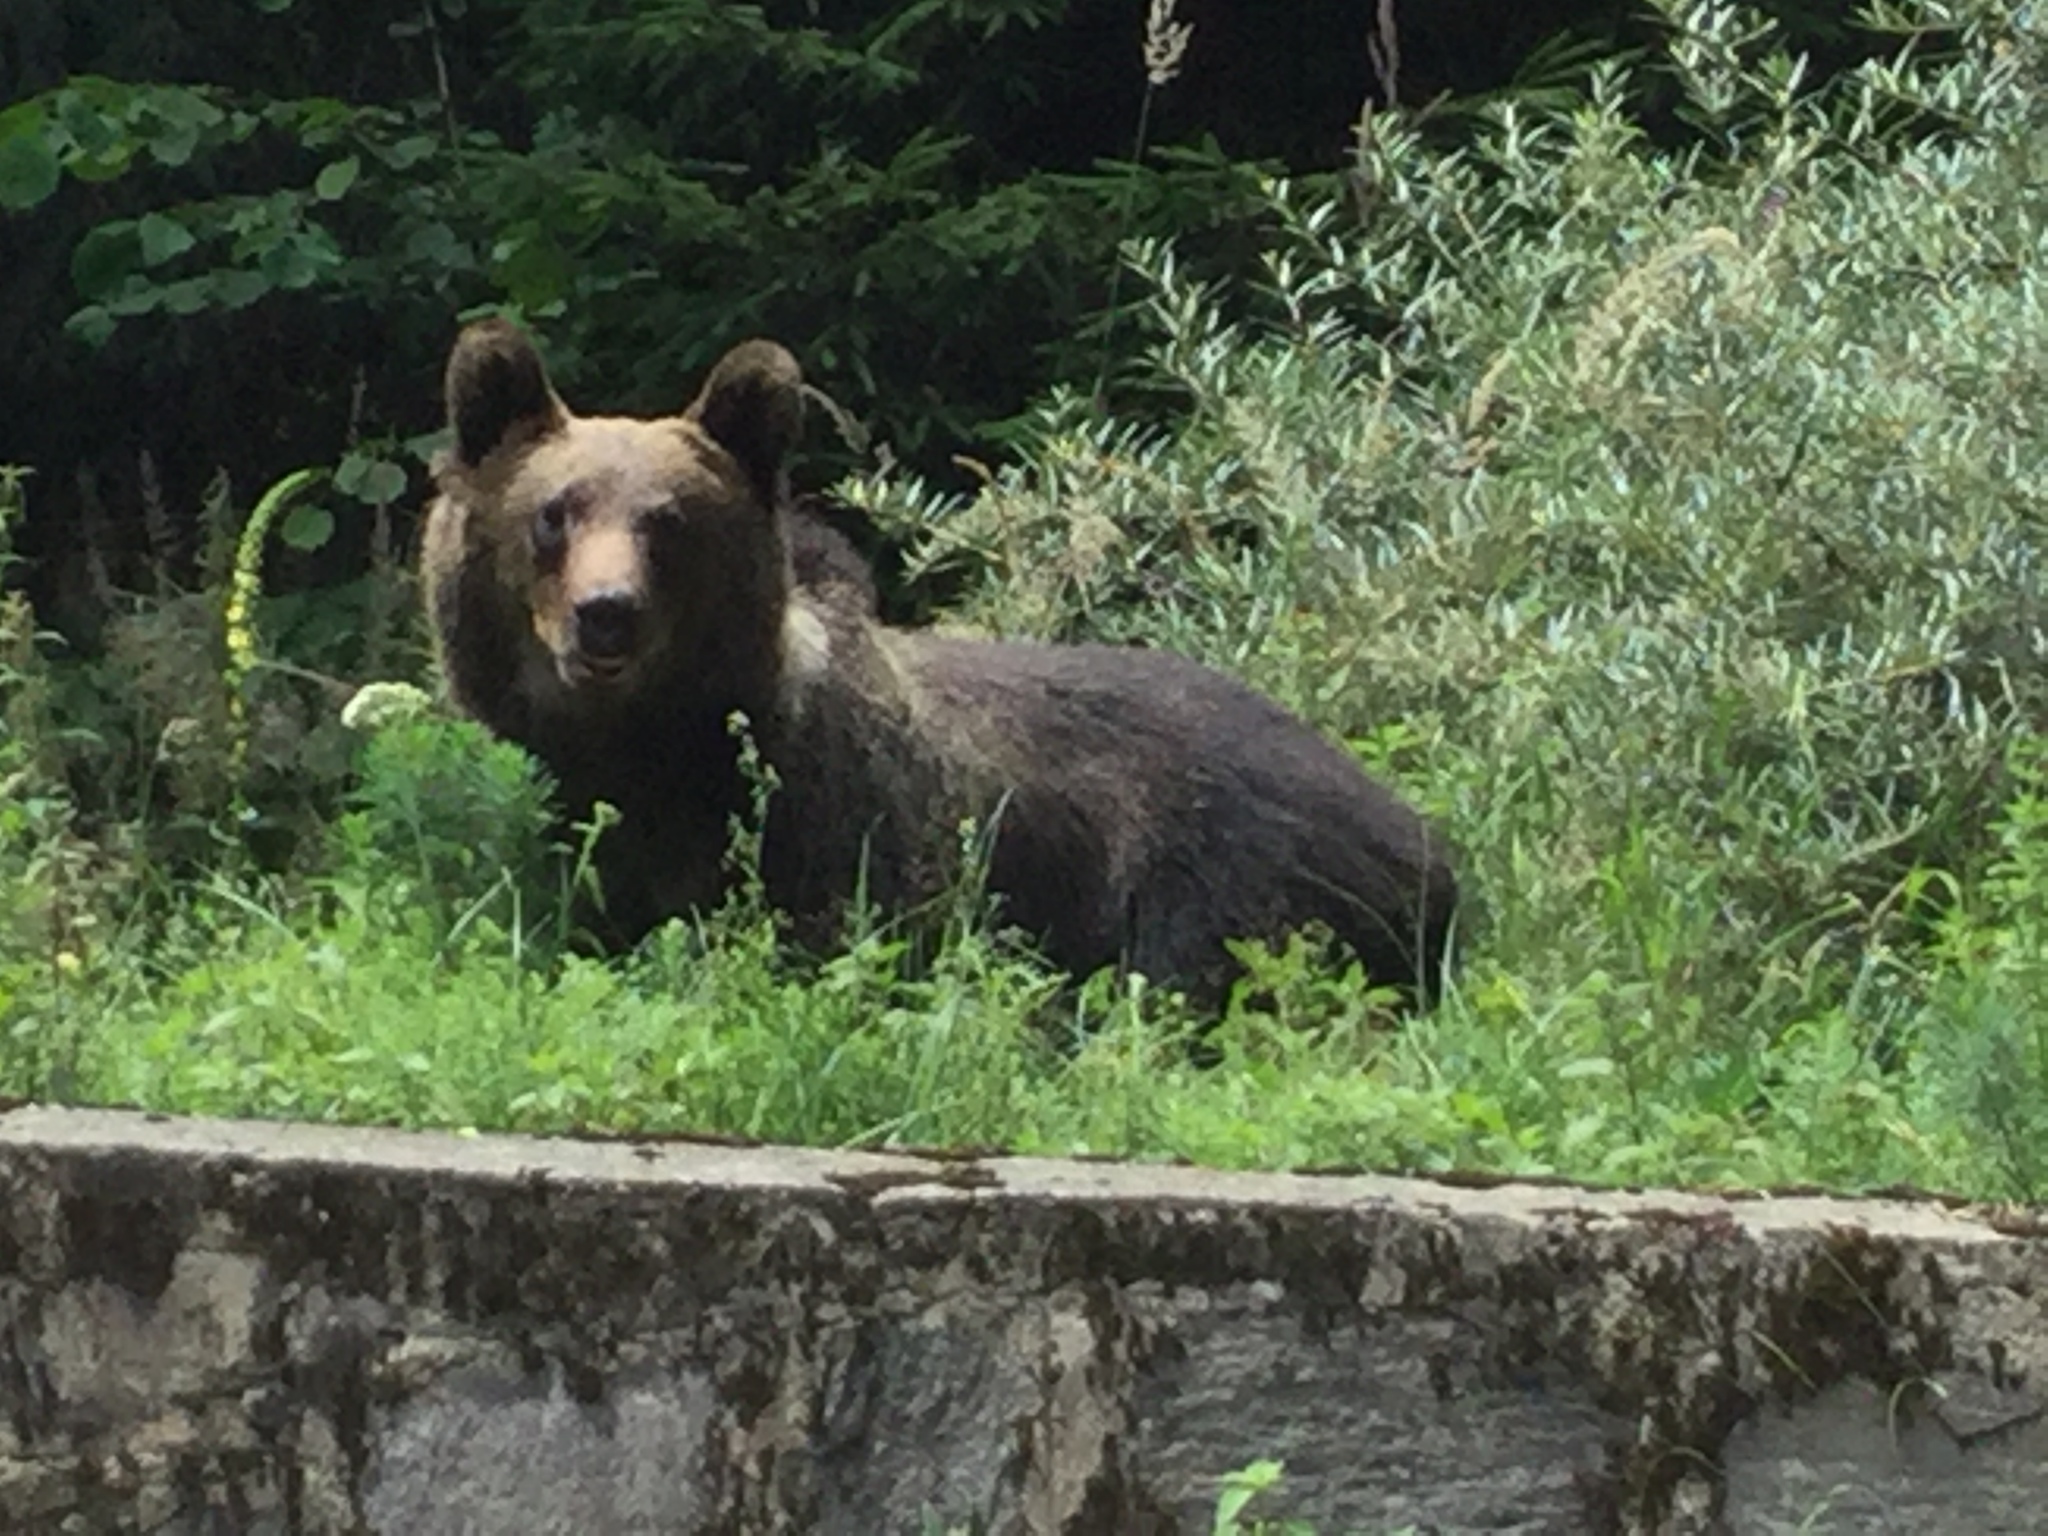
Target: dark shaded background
[{"x": 139, "y": 427}]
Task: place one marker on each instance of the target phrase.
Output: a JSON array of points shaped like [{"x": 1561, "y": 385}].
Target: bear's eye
[
  {"x": 667, "y": 534},
  {"x": 551, "y": 529}
]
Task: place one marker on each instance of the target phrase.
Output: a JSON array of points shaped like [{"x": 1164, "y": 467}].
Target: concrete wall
[{"x": 223, "y": 1328}]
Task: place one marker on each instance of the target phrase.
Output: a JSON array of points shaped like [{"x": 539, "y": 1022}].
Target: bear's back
[{"x": 1158, "y": 806}]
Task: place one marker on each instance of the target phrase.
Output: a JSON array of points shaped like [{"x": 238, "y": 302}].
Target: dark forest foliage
[{"x": 240, "y": 232}]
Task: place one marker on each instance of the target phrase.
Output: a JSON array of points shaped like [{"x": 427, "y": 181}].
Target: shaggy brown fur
[{"x": 607, "y": 590}]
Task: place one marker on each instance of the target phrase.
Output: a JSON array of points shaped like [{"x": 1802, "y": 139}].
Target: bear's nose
[{"x": 605, "y": 625}]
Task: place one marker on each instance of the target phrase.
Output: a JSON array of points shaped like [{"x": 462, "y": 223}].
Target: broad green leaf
[
  {"x": 369, "y": 479},
  {"x": 384, "y": 484},
  {"x": 174, "y": 104},
  {"x": 91, "y": 325},
  {"x": 425, "y": 445},
  {"x": 84, "y": 111},
  {"x": 173, "y": 143},
  {"x": 173, "y": 122},
  {"x": 29, "y": 169},
  {"x": 435, "y": 244},
  {"x": 306, "y": 527},
  {"x": 238, "y": 288},
  {"x": 332, "y": 183},
  {"x": 409, "y": 152},
  {"x": 299, "y": 259},
  {"x": 533, "y": 270},
  {"x": 188, "y": 296},
  {"x": 1229, "y": 1506},
  {"x": 135, "y": 295},
  {"x": 162, "y": 238},
  {"x": 23, "y": 117},
  {"x": 106, "y": 255},
  {"x": 104, "y": 165},
  {"x": 353, "y": 467}
]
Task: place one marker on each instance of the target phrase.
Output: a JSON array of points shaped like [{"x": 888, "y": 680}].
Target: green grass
[{"x": 1669, "y": 525}]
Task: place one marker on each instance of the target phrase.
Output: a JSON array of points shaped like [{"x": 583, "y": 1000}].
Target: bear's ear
[
  {"x": 753, "y": 404},
  {"x": 497, "y": 385}
]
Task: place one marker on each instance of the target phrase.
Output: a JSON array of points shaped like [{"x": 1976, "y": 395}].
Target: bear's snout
[{"x": 607, "y": 627}]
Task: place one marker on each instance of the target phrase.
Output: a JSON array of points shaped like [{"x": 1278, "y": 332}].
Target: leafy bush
[
  {"x": 1983, "y": 1038},
  {"x": 1687, "y": 519},
  {"x": 442, "y": 813},
  {"x": 1240, "y": 1489}
]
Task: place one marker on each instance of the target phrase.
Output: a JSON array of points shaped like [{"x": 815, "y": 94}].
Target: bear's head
[{"x": 645, "y": 550}]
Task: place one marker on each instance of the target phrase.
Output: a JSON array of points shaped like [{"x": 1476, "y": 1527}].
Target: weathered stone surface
[{"x": 220, "y": 1328}]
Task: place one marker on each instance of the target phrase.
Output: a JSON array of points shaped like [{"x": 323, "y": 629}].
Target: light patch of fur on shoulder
[{"x": 806, "y": 651}]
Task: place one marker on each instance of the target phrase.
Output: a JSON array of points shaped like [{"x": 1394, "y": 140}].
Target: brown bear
[{"x": 607, "y": 591}]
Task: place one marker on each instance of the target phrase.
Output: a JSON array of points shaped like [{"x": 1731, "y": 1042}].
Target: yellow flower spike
[{"x": 244, "y": 583}]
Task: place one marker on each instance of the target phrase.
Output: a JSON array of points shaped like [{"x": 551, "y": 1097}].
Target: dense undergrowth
[{"x": 1670, "y": 525}]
